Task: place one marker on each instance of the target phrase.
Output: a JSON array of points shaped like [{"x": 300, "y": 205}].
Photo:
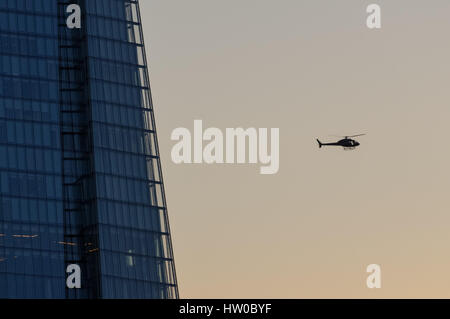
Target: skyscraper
[{"x": 80, "y": 172}]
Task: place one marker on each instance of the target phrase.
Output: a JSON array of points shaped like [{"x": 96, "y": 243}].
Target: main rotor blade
[
  {"x": 357, "y": 135},
  {"x": 344, "y": 136}
]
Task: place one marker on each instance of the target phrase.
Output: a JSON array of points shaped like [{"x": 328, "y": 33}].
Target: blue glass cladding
[
  {"x": 135, "y": 245},
  {"x": 31, "y": 254},
  {"x": 127, "y": 210}
]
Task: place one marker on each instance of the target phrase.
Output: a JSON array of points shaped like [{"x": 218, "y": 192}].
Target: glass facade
[{"x": 80, "y": 172}]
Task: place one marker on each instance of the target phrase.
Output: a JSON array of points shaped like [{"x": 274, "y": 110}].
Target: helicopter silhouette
[{"x": 347, "y": 142}]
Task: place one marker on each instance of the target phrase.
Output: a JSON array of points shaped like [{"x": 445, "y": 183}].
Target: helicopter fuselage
[{"x": 346, "y": 143}]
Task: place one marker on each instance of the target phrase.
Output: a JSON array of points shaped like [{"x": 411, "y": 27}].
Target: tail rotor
[{"x": 320, "y": 143}]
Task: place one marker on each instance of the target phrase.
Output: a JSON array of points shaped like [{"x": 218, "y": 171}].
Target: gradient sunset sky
[{"x": 313, "y": 69}]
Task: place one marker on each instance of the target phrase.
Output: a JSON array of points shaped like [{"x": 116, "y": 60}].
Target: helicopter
[{"x": 347, "y": 142}]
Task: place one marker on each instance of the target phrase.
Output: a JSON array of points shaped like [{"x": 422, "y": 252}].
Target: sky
[{"x": 312, "y": 69}]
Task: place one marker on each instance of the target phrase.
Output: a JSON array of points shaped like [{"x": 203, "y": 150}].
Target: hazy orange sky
[{"x": 311, "y": 68}]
